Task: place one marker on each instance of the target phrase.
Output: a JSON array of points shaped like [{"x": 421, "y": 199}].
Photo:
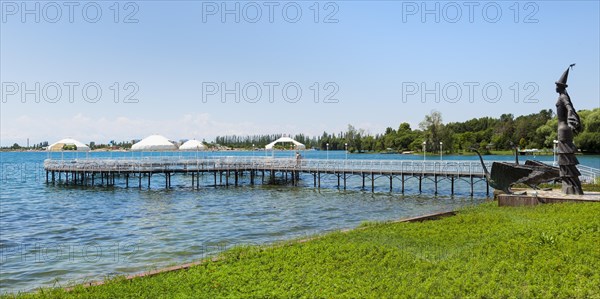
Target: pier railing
[
  {"x": 186, "y": 164},
  {"x": 588, "y": 174},
  {"x": 232, "y": 163}
]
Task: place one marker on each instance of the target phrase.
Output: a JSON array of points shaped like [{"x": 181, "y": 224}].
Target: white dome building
[
  {"x": 154, "y": 143},
  {"x": 192, "y": 145},
  {"x": 297, "y": 145},
  {"x": 66, "y": 144}
]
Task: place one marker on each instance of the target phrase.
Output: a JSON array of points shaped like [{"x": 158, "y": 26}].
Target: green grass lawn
[{"x": 545, "y": 251}]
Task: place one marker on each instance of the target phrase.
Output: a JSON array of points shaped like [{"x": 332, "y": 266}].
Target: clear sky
[{"x": 374, "y": 64}]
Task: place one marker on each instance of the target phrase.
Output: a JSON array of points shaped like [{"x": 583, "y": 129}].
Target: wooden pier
[{"x": 226, "y": 171}]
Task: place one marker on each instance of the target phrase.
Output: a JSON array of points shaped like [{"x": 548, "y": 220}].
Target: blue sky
[{"x": 378, "y": 59}]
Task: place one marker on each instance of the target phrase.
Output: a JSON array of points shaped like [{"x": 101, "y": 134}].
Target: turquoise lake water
[{"x": 61, "y": 235}]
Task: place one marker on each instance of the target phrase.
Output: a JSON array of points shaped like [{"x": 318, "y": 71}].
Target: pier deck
[{"x": 105, "y": 171}]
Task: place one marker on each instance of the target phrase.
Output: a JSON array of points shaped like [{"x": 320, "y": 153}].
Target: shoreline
[
  {"x": 438, "y": 258},
  {"x": 220, "y": 257}
]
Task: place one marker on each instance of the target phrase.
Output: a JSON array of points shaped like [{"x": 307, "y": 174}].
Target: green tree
[
  {"x": 368, "y": 143},
  {"x": 522, "y": 143},
  {"x": 404, "y": 137},
  {"x": 433, "y": 127},
  {"x": 388, "y": 141},
  {"x": 591, "y": 121},
  {"x": 69, "y": 147},
  {"x": 548, "y": 133},
  {"x": 404, "y": 128},
  {"x": 588, "y": 142}
]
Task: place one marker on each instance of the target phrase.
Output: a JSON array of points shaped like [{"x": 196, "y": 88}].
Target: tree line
[{"x": 537, "y": 130}]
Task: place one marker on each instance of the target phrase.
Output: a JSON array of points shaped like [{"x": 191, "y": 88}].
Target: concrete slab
[{"x": 535, "y": 197}]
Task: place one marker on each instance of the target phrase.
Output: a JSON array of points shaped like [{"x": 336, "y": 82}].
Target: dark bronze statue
[
  {"x": 505, "y": 174},
  {"x": 568, "y": 126}
]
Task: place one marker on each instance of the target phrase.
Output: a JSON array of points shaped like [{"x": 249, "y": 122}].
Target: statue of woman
[{"x": 568, "y": 125}]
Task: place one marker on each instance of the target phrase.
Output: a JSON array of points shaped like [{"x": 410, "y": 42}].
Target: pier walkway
[{"x": 228, "y": 171}]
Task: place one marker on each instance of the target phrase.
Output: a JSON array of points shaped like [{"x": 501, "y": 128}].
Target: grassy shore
[{"x": 547, "y": 251}]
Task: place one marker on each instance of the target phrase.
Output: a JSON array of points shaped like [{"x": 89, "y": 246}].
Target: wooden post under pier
[
  {"x": 363, "y": 180},
  {"x": 402, "y": 183},
  {"x": 471, "y": 185},
  {"x": 372, "y": 182},
  {"x": 319, "y": 179}
]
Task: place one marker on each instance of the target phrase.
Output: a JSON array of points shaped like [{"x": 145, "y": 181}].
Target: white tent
[
  {"x": 192, "y": 145},
  {"x": 297, "y": 144},
  {"x": 154, "y": 143},
  {"x": 67, "y": 143}
]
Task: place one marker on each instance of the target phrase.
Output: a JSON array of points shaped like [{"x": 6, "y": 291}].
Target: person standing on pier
[
  {"x": 298, "y": 157},
  {"x": 569, "y": 125}
]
